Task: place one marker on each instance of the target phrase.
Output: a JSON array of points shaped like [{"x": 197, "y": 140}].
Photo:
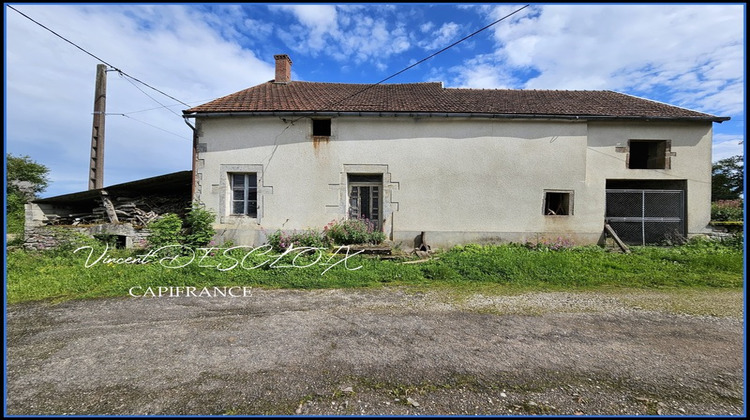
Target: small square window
[
  {"x": 648, "y": 154},
  {"x": 558, "y": 203},
  {"x": 321, "y": 128}
]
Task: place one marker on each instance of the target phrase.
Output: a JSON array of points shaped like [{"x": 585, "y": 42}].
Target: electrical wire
[
  {"x": 152, "y": 98},
  {"x": 148, "y": 124},
  {"x": 430, "y": 56},
  {"x": 122, "y": 73}
]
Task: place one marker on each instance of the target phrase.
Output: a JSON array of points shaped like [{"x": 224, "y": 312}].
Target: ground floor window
[
  {"x": 244, "y": 193},
  {"x": 558, "y": 203}
]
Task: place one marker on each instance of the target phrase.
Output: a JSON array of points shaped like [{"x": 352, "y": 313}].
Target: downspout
[{"x": 195, "y": 158}]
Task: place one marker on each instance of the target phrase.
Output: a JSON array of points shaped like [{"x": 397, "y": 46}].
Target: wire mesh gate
[{"x": 641, "y": 217}]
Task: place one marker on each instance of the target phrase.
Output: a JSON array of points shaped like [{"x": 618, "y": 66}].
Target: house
[{"x": 459, "y": 165}]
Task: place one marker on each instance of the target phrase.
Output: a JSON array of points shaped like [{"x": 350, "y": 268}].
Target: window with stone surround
[
  {"x": 558, "y": 203},
  {"x": 244, "y": 194}
]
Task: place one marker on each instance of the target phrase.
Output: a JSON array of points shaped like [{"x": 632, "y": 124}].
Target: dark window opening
[
  {"x": 557, "y": 204},
  {"x": 321, "y": 128},
  {"x": 648, "y": 154},
  {"x": 244, "y": 194},
  {"x": 112, "y": 240}
]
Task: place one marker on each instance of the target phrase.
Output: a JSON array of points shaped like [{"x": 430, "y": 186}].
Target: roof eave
[{"x": 583, "y": 117}]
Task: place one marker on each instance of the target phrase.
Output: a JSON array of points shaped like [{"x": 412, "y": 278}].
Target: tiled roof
[{"x": 433, "y": 98}]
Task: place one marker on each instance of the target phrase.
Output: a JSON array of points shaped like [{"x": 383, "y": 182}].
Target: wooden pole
[{"x": 96, "y": 169}]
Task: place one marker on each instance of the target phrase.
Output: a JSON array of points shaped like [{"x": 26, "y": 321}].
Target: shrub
[
  {"x": 166, "y": 230},
  {"x": 726, "y": 210},
  {"x": 308, "y": 238},
  {"x": 199, "y": 225},
  {"x": 352, "y": 232},
  {"x": 197, "y": 231}
]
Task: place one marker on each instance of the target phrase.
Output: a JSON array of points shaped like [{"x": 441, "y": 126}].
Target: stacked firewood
[{"x": 136, "y": 211}]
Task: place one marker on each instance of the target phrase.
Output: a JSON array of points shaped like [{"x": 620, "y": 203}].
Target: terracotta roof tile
[{"x": 433, "y": 98}]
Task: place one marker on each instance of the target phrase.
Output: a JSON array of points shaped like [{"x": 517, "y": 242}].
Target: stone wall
[
  {"x": 41, "y": 238},
  {"x": 49, "y": 237}
]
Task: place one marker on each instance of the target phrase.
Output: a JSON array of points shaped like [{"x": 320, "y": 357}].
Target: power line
[
  {"x": 432, "y": 55},
  {"x": 167, "y": 106},
  {"x": 97, "y": 58},
  {"x": 152, "y": 98},
  {"x": 148, "y": 124}
]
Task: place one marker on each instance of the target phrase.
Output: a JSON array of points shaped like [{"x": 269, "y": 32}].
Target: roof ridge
[{"x": 364, "y": 84}]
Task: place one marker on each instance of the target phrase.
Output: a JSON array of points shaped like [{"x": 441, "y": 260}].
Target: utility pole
[{"x": 96, "y": 170}]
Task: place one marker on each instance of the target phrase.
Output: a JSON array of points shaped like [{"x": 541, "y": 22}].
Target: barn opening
[{"x": 647, "y": 212}]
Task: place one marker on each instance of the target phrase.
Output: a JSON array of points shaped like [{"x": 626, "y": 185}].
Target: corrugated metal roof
[{"x": 177, "y": 182}]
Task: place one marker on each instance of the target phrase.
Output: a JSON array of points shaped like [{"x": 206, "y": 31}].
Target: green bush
[
  {"x": 166, "y": 230},
  {"x": 197, "y": 230},
  {"x": 199, "y": 225},
  {"x": 726, "y": 210},
  {"x": 353, "y": 232},
  {"x": 15, "y": 213}
]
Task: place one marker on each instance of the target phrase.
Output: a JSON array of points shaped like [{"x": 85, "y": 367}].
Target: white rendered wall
[{"x": 459, "y": 180}]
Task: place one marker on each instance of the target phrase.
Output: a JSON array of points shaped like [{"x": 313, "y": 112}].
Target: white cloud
[
  {"x": 320, "y": 20},
  {"x": 727, "y": 145},
  {"x": 695, "y": 52},
  {"x": 480, "y": 73},
  {"x": 50, "y": 86},
  {"x": 441, "y": 38},
  {"x": 346, "y": 33}
]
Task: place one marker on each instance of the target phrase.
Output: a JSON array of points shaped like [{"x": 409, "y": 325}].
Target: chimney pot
[{"x": 283, "y": 68}]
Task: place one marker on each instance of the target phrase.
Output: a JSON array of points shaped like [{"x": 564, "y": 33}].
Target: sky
[{"x": 689, "y": 55}]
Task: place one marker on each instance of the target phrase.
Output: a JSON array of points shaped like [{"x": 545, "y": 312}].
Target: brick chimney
[{"x": 283, "y": 68}]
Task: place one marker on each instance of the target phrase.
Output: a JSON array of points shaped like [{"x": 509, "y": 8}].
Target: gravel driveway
[{"x": 379, "y": 351}]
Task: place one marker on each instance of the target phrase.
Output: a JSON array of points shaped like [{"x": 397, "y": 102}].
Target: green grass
[{"x": 62, "y": 275}]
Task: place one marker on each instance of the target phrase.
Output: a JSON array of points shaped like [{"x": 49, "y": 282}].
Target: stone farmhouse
[{"x": 451, "y": 166}]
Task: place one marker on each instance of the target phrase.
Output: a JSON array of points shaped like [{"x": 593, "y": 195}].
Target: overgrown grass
[{"x": 63, "y": 275}]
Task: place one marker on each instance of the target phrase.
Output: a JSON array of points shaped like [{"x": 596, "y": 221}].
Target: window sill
[{"x": 238, "y": 218}]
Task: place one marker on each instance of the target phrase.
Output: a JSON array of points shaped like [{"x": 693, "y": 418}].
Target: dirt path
[{"x": 373, "y": 352}]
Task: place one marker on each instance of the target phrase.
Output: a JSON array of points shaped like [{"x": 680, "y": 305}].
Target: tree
[
  {"x": 25, "y": 179},
  {"x": 25, "y": 176},
  {"x": 727, "y": 178}
]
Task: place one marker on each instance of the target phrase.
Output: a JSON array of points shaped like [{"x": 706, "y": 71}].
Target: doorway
[{"x": 365, "y": 197}]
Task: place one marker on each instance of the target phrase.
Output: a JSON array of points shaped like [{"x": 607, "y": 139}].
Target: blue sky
[{"x": 686, "y": 55}]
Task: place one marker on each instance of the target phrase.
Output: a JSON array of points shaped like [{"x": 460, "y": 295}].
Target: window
[
  {"x": 321, "y": 128},
  {"x": 557, "y": 203},
  {"x": 244, "y": 194},
  {"x": 648, "y": 154}
]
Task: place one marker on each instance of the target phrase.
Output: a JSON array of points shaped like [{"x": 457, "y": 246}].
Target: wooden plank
[
  {"x": 111, "y": 214},
  {"x": 618, "y": 241}
]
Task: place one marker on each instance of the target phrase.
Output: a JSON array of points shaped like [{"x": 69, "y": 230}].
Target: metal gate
[{"x": 643, "y": 217}]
